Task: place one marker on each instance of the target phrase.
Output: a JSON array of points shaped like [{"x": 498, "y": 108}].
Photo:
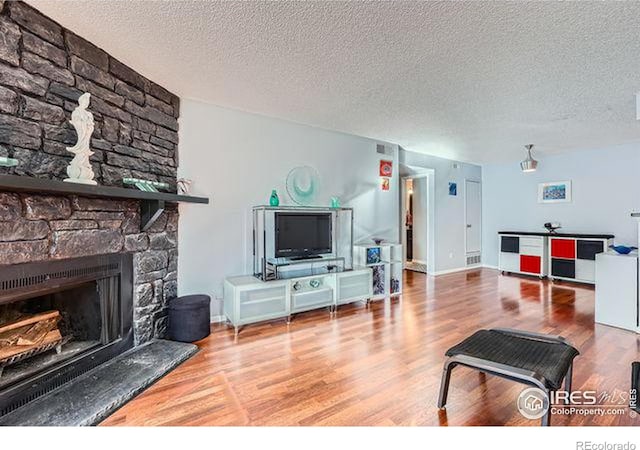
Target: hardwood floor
[{"x": 381, "y": 365}]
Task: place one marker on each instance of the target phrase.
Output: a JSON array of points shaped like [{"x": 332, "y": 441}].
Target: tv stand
[
  {"x": 294, "y": 267},
  {"x": 304, "y": 258},
  {"x": 267, "y": 267},
  {"x": 248, "y": 300}
]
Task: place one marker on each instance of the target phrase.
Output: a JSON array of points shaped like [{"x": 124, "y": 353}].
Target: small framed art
[{"x": 554, "y": 192}]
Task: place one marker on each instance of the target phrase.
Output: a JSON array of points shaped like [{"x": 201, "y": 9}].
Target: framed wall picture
[
  {"x": 554, "y": 192},
  {"x": 386, "y": 168}
]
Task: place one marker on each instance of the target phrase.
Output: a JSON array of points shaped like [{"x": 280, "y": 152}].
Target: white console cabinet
[
  {"x": 353, "y": 286},
  {"x": 617, "y": 300},
  {"x": 249, "y": 300}
]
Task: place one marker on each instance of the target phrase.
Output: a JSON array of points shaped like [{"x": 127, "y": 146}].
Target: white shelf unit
[
  {"x": 385, "y": 261},
  {"x": 573, "y": 258},
  {"x": 249, "y": 300},
  {"x": 267, "y": 266},
  {"x": 562, "y": 256},
  {"x": 523, "y": 254}
]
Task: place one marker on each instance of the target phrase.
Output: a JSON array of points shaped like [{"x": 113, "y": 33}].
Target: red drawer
[
  {"x": 530, "y": 264},
  {"x": 563, "y": 248}
]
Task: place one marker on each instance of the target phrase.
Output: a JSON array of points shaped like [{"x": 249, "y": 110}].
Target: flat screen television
[{"x": 302, "y": 235}]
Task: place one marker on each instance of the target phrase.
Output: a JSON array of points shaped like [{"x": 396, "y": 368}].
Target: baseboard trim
[
  {"x": 488, "y": 266},
  {"x": 217, "y": 319},
  {"x": 458, "y": 269},
  {"x": 418, "y": 261}
]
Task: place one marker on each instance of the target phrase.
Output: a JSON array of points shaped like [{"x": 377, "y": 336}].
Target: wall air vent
[
  {"x": 473, "y": 260},
  {"x": 383, "y": 150}
]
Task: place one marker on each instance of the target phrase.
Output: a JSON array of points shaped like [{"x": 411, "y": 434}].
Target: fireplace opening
[
  {"x": 43, "y": 331},
  {"x": 59, "y": 319}
]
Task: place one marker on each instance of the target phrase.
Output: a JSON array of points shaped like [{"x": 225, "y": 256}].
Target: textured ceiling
[{"x": 468, "y": 80}]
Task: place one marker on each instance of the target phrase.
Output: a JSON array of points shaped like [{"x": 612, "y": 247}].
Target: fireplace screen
[
  {"x": 48, "y": 329},
  {"x": 59, "y": 319}
]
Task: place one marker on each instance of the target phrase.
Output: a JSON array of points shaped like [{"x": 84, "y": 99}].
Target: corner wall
[
  {"x": 237, "y": 158},
  {"x": 449, "y": 211},
  {"x": 605, "y": 190}
]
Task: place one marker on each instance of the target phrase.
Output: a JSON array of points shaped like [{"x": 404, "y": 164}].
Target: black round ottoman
[{"x": 189, "y": 318}]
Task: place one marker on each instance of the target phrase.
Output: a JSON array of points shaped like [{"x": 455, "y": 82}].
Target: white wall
[
  {"x": 605, "y": 190},
  {"x": 449, "y": 211},
  {"x": 420, "y": 219},
  {"x": 237, "y": 158}
]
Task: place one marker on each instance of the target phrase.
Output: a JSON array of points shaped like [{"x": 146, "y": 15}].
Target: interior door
[{"x": 473, "y": 210}]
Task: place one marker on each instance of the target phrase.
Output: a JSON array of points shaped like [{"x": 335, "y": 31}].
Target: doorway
[{"x": 414, "y": 222}]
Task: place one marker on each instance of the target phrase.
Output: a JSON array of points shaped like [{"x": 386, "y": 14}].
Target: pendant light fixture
[{"x": 529, "y": 164}]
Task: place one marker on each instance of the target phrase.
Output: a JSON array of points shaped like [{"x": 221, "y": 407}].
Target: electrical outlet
[{"x": 451, "y": 255}]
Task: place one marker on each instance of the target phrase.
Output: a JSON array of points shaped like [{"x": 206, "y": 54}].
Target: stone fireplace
[{"x": 44, "y": 68}]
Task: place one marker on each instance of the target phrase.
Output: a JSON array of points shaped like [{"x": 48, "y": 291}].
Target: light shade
[{"x": 529, "y": 164}]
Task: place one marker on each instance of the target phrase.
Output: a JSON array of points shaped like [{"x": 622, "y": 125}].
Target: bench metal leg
[
  {"x": 567, "y": 379},
  {"x": 546, "y": 419},
  {"x": 444, "y": 383}
]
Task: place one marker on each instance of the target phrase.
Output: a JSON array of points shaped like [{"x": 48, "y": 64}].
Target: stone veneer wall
[{"x": 44, "y": 68}]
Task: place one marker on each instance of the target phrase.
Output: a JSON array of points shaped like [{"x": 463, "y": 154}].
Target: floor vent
[{"x": 473, "y": 260}]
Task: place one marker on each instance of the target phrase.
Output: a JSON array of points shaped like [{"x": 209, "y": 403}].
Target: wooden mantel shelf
[{"x": 152, "y": 203}]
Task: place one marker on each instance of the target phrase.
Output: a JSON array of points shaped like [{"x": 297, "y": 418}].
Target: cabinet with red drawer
[
  {"x": 562, "y": 256},
  {"x": 523, "y": 254},
  {"x": 574, "y": 258}
]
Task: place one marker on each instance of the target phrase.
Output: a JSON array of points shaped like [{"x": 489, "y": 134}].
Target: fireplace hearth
[{"x": 61, "y": 318}]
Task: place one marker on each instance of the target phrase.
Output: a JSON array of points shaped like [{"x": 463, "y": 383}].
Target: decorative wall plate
[{"x": 303, "y": 185}]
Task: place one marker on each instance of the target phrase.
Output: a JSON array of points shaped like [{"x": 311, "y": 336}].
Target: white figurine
[{"x": 79, "y": 169}]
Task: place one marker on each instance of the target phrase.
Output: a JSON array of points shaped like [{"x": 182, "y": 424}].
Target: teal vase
[{"x": 274, "y": 200}]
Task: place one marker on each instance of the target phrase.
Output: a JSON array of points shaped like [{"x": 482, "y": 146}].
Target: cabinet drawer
[
  {"x": 531, "y": 250},
  {"x": 589, "y": 249},
  {"x": 509, "y": 262},
  {"x": 563, "y": 248},
  {"x": 530, "y": 264},
  {"x": 585, "y": 270},
  {"x": 311, "y": 299},
  {"x": 563, "y": 268},
  {"x": 510, "y": 244},
  {"x": 260, "y": 309},
  {"x": 530, "y": 241},
  {"x": 253, "y": 295}
]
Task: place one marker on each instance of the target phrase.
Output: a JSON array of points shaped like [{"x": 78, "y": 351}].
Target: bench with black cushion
[{"x": 539, "y": 360}]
